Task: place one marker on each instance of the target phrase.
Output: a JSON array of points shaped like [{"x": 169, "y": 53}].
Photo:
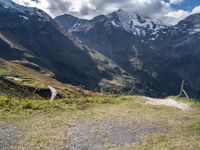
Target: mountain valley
[{"x": 121, "y": 81}]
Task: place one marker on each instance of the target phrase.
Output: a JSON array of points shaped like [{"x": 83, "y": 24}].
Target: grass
[
  {"x": 44, "y": 124},
  {"x": 38, "y": 80},
  {"x": 5, "y": 69},
  {"x": 10, "y": 108}
]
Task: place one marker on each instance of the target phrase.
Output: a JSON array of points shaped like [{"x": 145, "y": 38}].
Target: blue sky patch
[{"x": 187, "y": 5}]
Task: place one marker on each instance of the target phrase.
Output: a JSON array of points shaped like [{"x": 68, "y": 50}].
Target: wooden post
[
  {"x": 131, "y": 90},
  {"x": 182, "y": 88}
]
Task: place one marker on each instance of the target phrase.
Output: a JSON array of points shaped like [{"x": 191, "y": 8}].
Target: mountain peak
[
  {"x": 19, "y": 11},
  {"x": 7, "y": 3},
  {"x": 122, "y": 13},
  {"x": 191, "y": 23},
  {"x": 120, "y": 10},
  {"x": 192, "y": 19},
  {"x": 133, "y": 23},
  {"x": 14, "y": 7}
]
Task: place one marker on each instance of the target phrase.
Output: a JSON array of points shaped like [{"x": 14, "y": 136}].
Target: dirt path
[
  {"x": 8, "y": 134},
  {"x": 168, "y": 102},
  {"x": 108, "y": 133},
  {"x": 89, "y": 134}
]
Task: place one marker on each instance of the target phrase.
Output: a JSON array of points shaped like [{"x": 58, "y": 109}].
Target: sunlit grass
[{"x": 44, "y": 124}]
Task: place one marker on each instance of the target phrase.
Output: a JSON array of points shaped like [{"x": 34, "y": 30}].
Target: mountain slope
[
  {"x": 33, "y": 36},
  {"x": 146, "y": 49},
  {"x": 180, "y": 47},
  {"x": 20, "y": 82}
]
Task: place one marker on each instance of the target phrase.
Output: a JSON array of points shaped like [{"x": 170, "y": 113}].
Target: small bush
[
  {"x": 83, "y": 106},
  {"x": 26, "y": 105},
  {"x": 34, "y": 105},
  {"x": 105, "y": 101},
  {"x": 69, "y": 101},
  {"x": 3, "y": 101}
]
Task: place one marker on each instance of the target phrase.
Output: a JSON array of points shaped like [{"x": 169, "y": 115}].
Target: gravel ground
[
  {"x": 8, "y": 134},
  {"x": 106, "y": 134}
]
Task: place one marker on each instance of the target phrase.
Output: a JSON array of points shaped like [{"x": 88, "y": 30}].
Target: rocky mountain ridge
[
  {"x": 157, "y": 55},
  {"x": 34, "y": 37},
  {"x": 113, "y": 53}
]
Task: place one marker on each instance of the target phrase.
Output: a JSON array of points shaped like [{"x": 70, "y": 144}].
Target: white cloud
[
  {"x": 159, "y": 9},
  {"x": 175, "y": 1},
  {"x": 172, "y": 17},
  {"x": 42, "y": 4},
  {"x": 196, "y": 10}
]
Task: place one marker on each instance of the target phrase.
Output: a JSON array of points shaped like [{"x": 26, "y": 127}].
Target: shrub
[
  {"x": 3, "y": 101},
  {"x": 26, "y": 105},
  {"x": 69, "y": 101}
]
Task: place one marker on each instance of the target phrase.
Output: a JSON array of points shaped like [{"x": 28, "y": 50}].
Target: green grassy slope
[
  {"x": 30, "y": 121},
  {"x": 31, "y": 80}
]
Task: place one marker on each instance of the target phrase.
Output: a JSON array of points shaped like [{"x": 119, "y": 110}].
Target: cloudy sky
[{"x": 170, "y": 11}]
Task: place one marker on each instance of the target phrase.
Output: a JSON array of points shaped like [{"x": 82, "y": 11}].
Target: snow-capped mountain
[
  {"x": 116, "y": 51},
  {"x": 135, "y": 23},
  {"x": 132, "y": 23},
  {"x": 190, "y": 24},
  {"x": 30, "y": 35},
  {"x": 8, "y": 4},
  {"x": 158, "y": 56},
  {"x": 25, "y": 14}
]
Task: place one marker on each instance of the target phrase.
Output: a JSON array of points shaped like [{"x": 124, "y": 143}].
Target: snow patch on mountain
[
  {"x": 8, "y": 4},
  {"x": 193, "y": 31},
  {"x": 24, "y": 17},
  {"x": 136, "y": 24}
]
